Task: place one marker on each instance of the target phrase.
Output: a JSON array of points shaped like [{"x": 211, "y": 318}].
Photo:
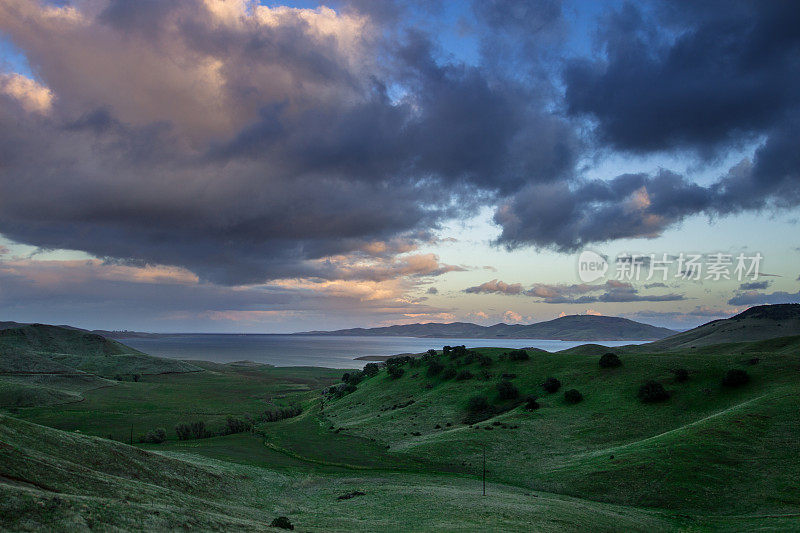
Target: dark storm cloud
[
  {"x": 249, "y": 145},
  {"x": 694, "y": 77},
  {"x": 689, "y": 75},
  {"x": 268, "y": 142}
]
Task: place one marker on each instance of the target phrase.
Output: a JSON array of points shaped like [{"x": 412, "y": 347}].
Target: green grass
[
  {"x": 709, "y": 458},
  {"x": 166, "y": 400},
  {"x": 52, "y": 349},
  {"x": 67, "y": 482},
  {"x": 673, "y": 455}
]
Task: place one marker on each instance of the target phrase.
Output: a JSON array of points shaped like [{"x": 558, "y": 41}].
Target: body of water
[{"x": 309, "y": 350}]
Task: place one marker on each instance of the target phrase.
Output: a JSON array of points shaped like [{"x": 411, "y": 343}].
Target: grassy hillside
[
  {"x": 677, "y": 454},
  {"x": 757, "y": 323},
  {"x": 39, "y": 348},
  {"x": 68, "y": 482}
]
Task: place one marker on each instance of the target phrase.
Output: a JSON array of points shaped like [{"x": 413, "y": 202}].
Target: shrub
[
  {"x": 193, "y": 430},
  {"x": 735, "y": 377},
  {"x": 477, "y": 404},
  {"x": 399, "y": 360},
  {"x": 464, "y": 375},
  {"x": 484, "y": 360},
  {"x": 155, "y": 436},
  {"x": 281, "y": 413},
  {"x": 518, "y": 355},
  {"x": 447, "y": 350},
  {"x": 507, "y": 390},
  {"x": 652, "y": 392},
  {"x": 432, "y": 352},
  {"x": 282, "y": 522},
  {"x": 551, "y": 385},
  {"x": 236, "y": 425},
  {"x": 395, "y": 371},
  {"x": 434, "y": 368},
  {"x": 371, "y": 369},
  {"x": 573, "y": 396},
  {"x": 531, "y": 403},
  {"x": 459, "y": 351},
  {"x": 449, "y": 373},
  {"x": 681, "y": 375},
  {"x": 610, "y": 360}
]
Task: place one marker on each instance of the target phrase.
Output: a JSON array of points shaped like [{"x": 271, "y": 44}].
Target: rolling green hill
[
  {"x": 39, "y": 348},
  {"x": 49, "y": 365},
  {"x": 62, "y": 481},
  {"x": 755, "y": 324},
  {"x": 707, "y": 449}
]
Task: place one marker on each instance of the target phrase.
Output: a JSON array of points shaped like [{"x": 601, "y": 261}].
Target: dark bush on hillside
[
  {"x": 531, "y": 402},
  {"x": 477, "y": 404},
  {"x": 484, "y": 360},
  {"x": 459, "y": 351},
  {"x": 735, "y": 377},
  {"x": 281, "y": 413},
  {"x": 236, "y": 425},
  {"x": 681, "y": 375},
  {"x": 395, "y": 371},
  {"x": 371, "y": 369},
  {"x": 573, "y": 396},
  {"x": 432, "y": 352},
  {"x": 193, "y": 430},
  {"x": 753, "y": 361},
  {"x": 507, "y": 391},
  {"x": 449, "y": 373},
  {"x": 551, "y": 385},
  {"x": 353, "y": 377},
  {"x": 610, "y": 360},
  {"x": 399, "y": 360},
  {"x": 652, "y": 392},
  {"x": 434, "y": 368},
  {"x": 447, "y": 350},
  {"x": 128, "y": 377},
  {"x": 485, "y": 375},
  {"x": 518, "y": 355},
  {"x": 155, "y": 436},
  {"x": 282, "y": 522},
  {"x": 464, "y": 375}
]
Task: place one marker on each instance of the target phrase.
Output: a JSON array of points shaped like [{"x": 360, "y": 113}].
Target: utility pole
[{"x": 484, "y": 470}]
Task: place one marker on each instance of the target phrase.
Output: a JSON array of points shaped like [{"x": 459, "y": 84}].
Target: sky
[{"x": 236, "y": 166}]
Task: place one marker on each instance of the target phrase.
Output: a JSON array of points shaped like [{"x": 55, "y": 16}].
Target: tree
[
  {"x": 551, "y": 385},
  {"x": 610, "y": 360},
  {"x": 573, "y": 396},
  {"x": 395, "y": 371},
  {"x": 477, "y": 403},
  {"x": 518, "y": 355},
  {"x": 652, "y": 392},
  {"x": 507, "y": 390},
  {"x": 681, "y": 375},
  {"x": 282, "y": 522},
  {"x": 531, "y": 402},
  {"x": 434, "y": 367},
  {"x": 735, "y": 377},
  {"x": 464, "y": 375}
]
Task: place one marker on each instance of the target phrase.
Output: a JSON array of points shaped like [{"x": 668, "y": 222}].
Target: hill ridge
[{"x": 569, "y": 327}]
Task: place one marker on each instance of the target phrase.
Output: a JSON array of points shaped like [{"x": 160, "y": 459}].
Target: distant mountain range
[{"x": 568, "y": 328}]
